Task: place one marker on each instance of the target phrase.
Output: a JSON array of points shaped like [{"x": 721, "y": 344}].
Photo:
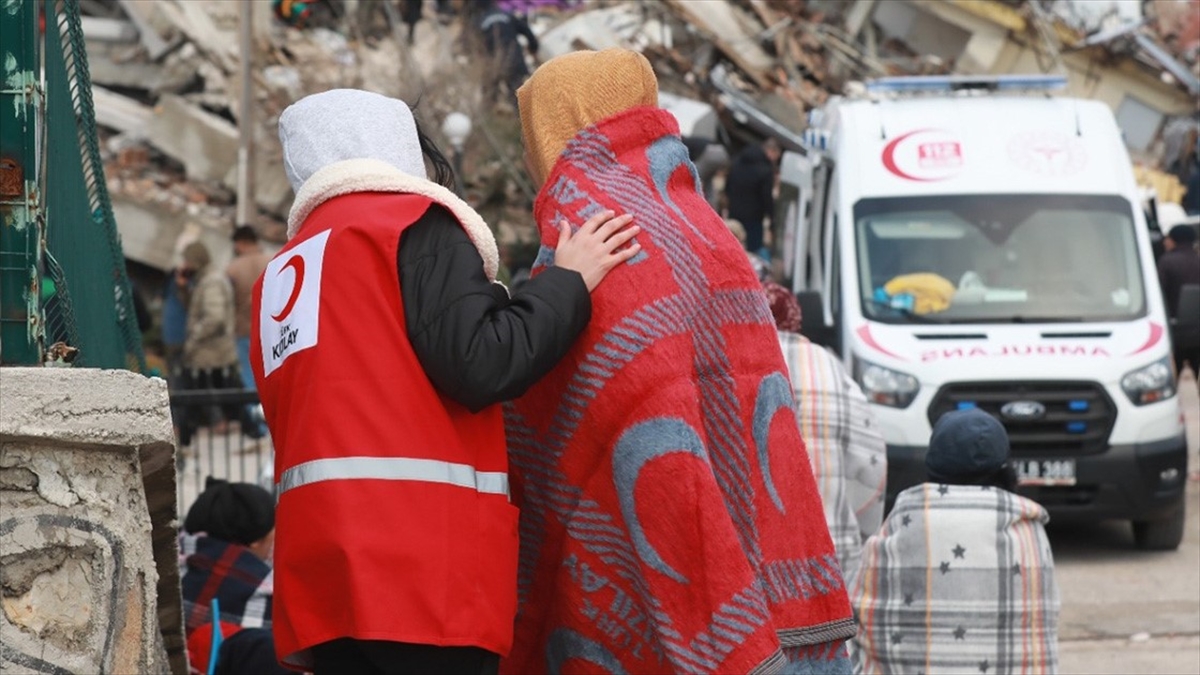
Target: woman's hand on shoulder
[{"x": 596, "y": 248}]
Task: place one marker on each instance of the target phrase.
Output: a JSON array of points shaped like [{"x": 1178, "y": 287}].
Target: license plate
[{"x": 1046, "y": 471}]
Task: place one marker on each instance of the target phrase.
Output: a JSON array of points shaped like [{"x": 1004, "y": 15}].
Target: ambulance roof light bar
[{"x": 953, "y": 83}]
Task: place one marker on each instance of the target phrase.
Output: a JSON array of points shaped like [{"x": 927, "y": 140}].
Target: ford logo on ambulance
[{"x": 1023, "y": 411}]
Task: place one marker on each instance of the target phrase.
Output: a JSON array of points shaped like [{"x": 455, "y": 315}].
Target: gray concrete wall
[{"x": 89, "y": 571}]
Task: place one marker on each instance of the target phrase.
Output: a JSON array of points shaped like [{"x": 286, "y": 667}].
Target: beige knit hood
[{"x": 574, "y": 91}]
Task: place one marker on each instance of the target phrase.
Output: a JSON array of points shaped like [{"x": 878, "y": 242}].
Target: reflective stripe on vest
[{"x": 394, "y": 468}]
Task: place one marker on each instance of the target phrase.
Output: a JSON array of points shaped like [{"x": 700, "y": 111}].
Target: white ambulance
[{"x": 978, "y": 243}]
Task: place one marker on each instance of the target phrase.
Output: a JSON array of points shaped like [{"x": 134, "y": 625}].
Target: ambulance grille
[{"x": 1078, "y": 416}]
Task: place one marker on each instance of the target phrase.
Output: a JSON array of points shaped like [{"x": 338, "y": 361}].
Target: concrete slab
[
  {"x": 88, "y": 526},
  {"x": 205, "y": 143}
]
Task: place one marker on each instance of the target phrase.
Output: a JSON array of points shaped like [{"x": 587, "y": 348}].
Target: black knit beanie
[
  {"x": 241, "y": 513},
  {"x": 968, "y": 447}
]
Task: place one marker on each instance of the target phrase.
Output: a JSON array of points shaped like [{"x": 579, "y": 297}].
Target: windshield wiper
[{"x": 912, "y": 316}]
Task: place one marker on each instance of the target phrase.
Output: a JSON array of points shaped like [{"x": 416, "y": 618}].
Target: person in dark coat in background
[
  {"x": 500, "y": 29},
  {"x": 1180, "y": 265},
  {"x": 749, "y": 190},
  {"x": 410, "y": 14}
]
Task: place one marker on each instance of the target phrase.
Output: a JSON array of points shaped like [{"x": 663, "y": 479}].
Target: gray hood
[{"x": 341, "y": 124}]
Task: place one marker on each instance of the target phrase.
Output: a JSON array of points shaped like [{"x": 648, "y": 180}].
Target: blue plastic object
[{"x": 217, "y": 637}]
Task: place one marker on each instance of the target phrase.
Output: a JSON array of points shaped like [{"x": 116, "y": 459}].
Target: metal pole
[{"x": 247, "y": 209}]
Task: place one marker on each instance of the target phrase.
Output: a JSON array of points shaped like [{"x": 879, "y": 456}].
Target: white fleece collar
[{"x": 373, "y": 175}]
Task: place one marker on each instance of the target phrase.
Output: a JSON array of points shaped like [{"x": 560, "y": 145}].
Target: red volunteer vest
[{"x": 393, "y": 521}]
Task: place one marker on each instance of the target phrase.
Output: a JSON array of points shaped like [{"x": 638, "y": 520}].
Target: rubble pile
[
  {"x": 167, "y": 83},
  {"x": 166, "y": 87}
]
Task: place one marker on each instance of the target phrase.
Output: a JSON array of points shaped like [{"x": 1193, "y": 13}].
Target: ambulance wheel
[{"x": 1160, "y": 535}]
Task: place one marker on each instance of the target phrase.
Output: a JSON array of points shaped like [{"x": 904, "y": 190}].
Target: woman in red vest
[{"x": 381, "y": 348}]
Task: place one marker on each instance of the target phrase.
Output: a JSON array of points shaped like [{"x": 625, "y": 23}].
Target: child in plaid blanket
[{"x": 960, "y": 578}]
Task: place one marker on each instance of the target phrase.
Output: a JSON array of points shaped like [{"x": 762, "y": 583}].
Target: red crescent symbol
[
  {"x": 1156, "y": 333},
  {"x": 889, "y": 157},
  {"x": 296, "y": 262},
  {"x": 864, "y": 333}
]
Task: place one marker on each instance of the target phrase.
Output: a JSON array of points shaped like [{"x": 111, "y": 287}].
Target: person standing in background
[
  {"x": 248, "y": 264},
  {"x": 750, "y": 190},
  {"x": 174, "y": 332},
  {"x": 209, "y": 350},
  {"x": 500, "y": 30},
  {"x": 1180, "y": 266}
]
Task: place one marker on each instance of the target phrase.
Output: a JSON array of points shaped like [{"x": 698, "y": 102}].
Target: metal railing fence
[{"x": 218, "y": 445}]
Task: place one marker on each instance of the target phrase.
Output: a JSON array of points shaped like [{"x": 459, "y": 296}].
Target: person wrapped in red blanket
[{"x": 670, "y": 521}]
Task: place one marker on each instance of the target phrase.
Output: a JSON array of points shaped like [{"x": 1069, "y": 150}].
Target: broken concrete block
[
  {"x": 205, "y": 143},
  {"x": 179, "y": 70},
  {"x": 195, "y": 20},
  {"x": 88, "y": 543},
  {"x": 120, "y": 112},
  {"x": 108, "y": 30},
  {"x": 106, "y": 71},
  {"x": 143, "y": 16},
  {"x": 596, "y": 29}
]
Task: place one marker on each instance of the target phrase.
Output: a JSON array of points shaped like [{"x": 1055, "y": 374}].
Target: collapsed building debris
[{"x": 167, "y": 82}]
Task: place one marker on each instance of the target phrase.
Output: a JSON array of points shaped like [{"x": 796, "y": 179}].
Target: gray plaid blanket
[
  {"x": 847, "y": 452},
  {"x": 958, "y": 580}
]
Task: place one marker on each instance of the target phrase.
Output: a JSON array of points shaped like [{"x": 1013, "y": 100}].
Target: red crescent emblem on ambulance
[
  {"x": 924, "y": 155},
  {"x": 864, "y": 333},
  {"x": 1156, "y": 333},
  {"x": 297, "y": 263},
  {"x": 889, "y": 156}
]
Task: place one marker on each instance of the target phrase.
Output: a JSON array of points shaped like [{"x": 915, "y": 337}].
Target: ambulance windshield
[{"x": 998, "y": 258}]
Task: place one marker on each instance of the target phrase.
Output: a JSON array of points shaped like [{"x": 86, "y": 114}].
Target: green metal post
[{"x": 22, "y": 213}]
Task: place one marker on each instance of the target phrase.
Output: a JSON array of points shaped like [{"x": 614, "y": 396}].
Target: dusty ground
[{"x": 1125, "y": 611}]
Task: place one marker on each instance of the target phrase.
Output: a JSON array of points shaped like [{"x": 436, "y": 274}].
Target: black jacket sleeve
[
  {"x": 766, "y": 193},
  {"x": 478, "y": 346}
]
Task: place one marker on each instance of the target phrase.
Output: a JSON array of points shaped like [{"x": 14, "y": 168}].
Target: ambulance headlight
[
  {"x": 884, "y": 385},
  {"x": 1150, "y": 384}
]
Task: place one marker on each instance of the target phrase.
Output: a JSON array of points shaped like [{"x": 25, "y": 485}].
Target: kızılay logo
[
  {"x": 296, "y": 264},
  {"x": 924, "y": 155},
  {"x": 291, "y": 298}
]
